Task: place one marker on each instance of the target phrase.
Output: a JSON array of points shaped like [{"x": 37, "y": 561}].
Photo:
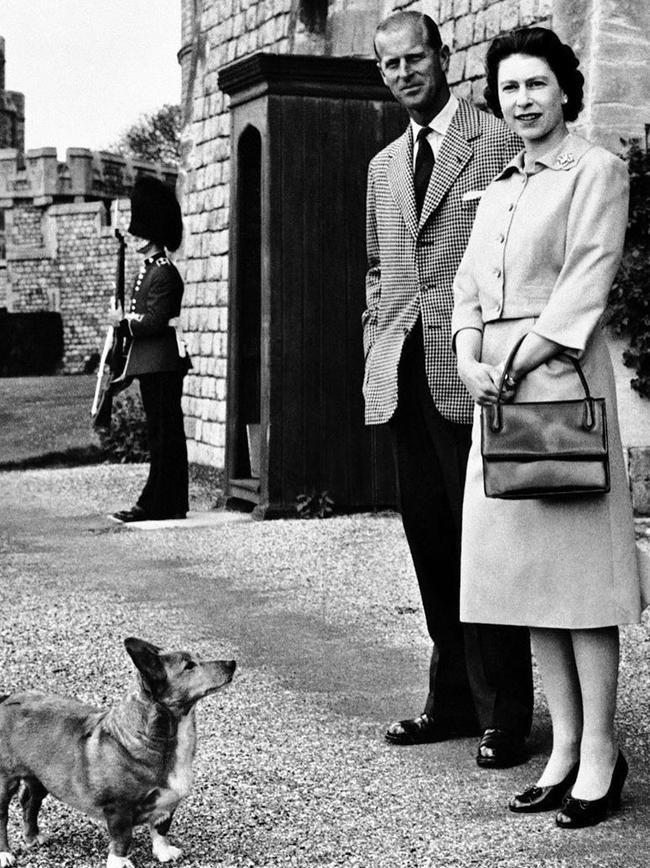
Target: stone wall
[{"x": 72, "y": 271}]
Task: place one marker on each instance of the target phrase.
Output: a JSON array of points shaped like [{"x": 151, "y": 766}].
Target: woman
[{"x": 544, "y": 250}]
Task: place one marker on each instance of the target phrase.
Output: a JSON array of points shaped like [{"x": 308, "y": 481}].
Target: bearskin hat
[{"x": 155, "y": 212}]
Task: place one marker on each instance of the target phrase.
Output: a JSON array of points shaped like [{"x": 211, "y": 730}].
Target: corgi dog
[{"x": 126, "y": 765}]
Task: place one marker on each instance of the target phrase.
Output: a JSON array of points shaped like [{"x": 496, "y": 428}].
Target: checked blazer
[{"x": 412, "y": 263}]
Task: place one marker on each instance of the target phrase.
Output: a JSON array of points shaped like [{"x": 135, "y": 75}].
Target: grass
[{"x": 45, "y": 421}]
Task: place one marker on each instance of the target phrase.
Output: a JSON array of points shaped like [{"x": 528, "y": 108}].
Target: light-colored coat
[
  {"x": 542, "y": 257},
  {"x": 412, "y": 263},
  {"x": 547, "y": 245}
]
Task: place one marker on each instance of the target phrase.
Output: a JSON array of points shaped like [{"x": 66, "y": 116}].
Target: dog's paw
[
  {"x": 7, "y": 859},
  {"x": 164, "y": 851},
  {"x": 114, "y": 861},
  {"x": 40, "y": 840}
]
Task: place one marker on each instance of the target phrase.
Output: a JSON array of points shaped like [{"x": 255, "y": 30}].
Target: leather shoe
[
  {"x": 578, "y": 813},
  {"x": 536, "y": 798},
  {"x": 423, "y": 729},
  {"x": 500, "y": 749},
  {"x": 136, "y": 513}
]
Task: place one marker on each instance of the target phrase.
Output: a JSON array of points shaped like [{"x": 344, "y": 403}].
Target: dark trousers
[
  {"x": 165, "y": 492},
  {"x": 480, "y": 675}
]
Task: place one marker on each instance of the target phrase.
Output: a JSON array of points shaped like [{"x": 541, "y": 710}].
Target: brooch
[{"x": 565, "y": 160}]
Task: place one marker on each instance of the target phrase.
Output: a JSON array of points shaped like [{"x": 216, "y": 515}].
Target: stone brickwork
[
  {"x": 72, "y": 271},
  {"x": 25, "y": 229},
  {"x": 467, "y": 26},
  {"x": 214, "y": 33},
  {"x": 60, "y": 247}
]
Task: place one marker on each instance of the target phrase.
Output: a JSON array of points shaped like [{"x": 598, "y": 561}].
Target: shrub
[
  {"x": 314, "y": 505},
  {"x": 126, "y": 441},
  {"x": 31, "y": 344},
  {"x": 629, "y": 300}
]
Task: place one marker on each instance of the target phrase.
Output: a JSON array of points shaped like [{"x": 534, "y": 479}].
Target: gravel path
[{"x": 324, "y": 620}]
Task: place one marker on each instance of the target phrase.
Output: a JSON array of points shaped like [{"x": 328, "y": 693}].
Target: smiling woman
[
  {"x": 540, "y": 262},
  {"x": 532, "y": 101}
]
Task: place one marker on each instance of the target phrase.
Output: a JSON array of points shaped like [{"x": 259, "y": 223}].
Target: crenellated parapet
[{"x": 85, "y": 175}]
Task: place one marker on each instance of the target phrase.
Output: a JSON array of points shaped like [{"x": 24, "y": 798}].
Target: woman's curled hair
[{"x": 536, "y": 42}]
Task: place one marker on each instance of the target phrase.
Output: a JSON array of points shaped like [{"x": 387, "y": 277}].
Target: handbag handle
[{"x": 588, "y": 416}]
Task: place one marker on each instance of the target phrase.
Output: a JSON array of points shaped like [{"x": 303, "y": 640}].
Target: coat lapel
[
  {"x": 400, "y": 180},
  {"x": 455, "y": 153}
]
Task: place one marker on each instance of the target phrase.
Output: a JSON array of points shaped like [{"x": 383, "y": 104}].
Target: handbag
[{"x": 544, "y": 448}]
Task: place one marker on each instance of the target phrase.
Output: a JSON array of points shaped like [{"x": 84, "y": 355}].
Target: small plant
[
  {"x": 126, "y": 440},
  {"x": 314, "y": 505},
  {"x": 629, "y": 300}
]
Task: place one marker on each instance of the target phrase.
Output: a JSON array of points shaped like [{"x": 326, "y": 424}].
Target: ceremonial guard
[{"x": 156, "y": 353}]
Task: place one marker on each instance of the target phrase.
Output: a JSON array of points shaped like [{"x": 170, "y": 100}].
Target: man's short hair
[{"x": 399, "y": 19}]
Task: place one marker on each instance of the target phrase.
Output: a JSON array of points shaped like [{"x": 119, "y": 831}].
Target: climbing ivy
[{"x": 629, "y": 300}]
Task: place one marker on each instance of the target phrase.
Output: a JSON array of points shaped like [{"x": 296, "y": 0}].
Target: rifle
[{"x": 111, "y": 377}]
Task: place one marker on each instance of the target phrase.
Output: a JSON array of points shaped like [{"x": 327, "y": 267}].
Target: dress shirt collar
[{"x": 439, "y": 124}]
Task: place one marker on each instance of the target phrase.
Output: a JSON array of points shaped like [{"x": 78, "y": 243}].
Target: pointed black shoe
[
  {"x": 536, "y": 799},
  {"x": 578, "y": 813}
]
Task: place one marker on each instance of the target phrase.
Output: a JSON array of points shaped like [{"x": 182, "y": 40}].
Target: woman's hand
[
  {"x": 510, "y": 385},
  {"x": 480, "y": 379}
]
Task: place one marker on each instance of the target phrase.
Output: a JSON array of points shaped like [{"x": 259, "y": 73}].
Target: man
[
  {"x": 156, "y": 356},
  {"x": 422, "y": 195}
]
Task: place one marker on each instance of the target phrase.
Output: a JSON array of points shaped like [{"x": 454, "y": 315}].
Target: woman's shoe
[
  {"x": 536, "y": 798},
  {"x": 578, "y": 813}
]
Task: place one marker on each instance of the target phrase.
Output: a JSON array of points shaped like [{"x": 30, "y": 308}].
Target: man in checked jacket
[{"x": 423, "y": 190}]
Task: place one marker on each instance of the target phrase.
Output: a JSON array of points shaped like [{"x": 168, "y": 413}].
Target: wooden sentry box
[{"x": 303, "y": 130}]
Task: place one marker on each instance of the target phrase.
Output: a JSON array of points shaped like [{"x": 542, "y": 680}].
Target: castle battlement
[{"x": 38, "y": 178}]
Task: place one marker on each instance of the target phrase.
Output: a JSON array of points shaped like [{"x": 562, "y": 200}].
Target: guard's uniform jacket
[
  {"x": 155, "y": 360},
  {"x": 155, "y": 300}
]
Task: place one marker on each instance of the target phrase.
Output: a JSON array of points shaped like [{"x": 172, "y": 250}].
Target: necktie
[{"x": 423, "y": 167}]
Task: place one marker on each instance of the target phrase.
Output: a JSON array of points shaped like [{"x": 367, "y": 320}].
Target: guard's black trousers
[
  {"x": 165, "y": 492},
  {"x": 480, "y": 675}
]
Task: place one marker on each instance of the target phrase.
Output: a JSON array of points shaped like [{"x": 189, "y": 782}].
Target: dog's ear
[{"x": 147, "y": 660}]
